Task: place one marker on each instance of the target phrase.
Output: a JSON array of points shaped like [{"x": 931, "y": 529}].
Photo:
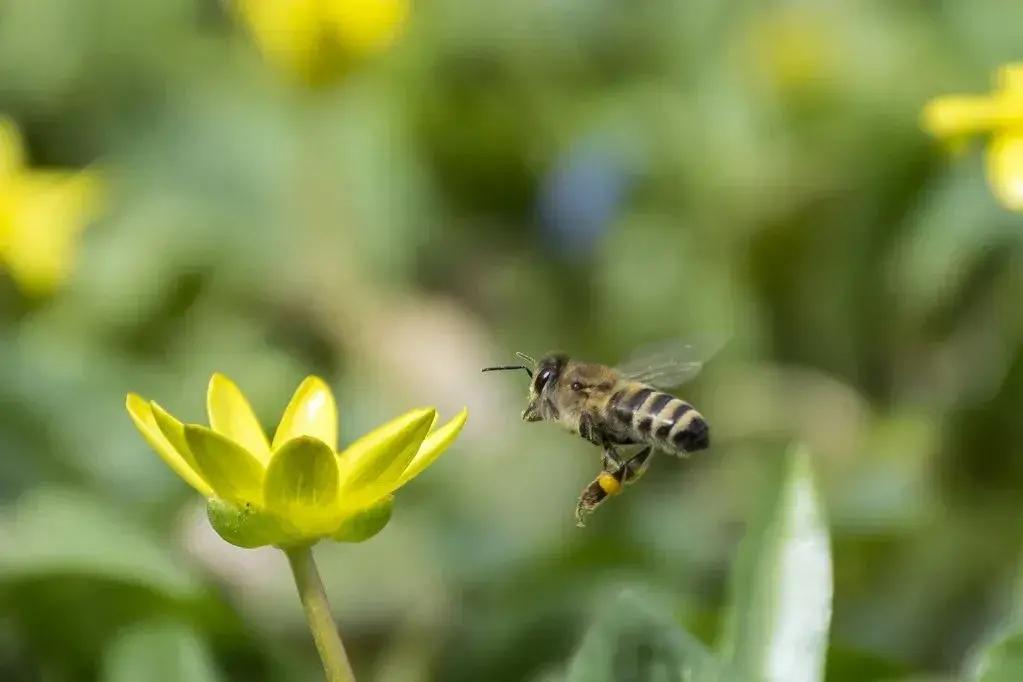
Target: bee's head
[
  {"x": 543, "y": 377},
  {"x": 541, "y": 400}
]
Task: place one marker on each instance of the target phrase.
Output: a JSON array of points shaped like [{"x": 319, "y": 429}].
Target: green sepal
[
  {"x": 365, "y": 523},
  {"x": 247, "y": 526}
]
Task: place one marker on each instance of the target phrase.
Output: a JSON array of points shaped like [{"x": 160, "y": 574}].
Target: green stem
[{"x": 317, "y": 613}]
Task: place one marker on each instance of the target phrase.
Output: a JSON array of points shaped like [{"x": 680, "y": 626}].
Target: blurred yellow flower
[
  {"x": 317, "y": 39},
  {"x": 1001, "y": 115},
  {"x": 296, "y": 489},
  {"x": 41, "y": 215},
  {"x": 795, "y": 49}
]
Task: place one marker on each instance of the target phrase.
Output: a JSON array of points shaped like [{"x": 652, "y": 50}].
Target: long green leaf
[
  {"x": 1002, "y": 660},
  {"x": 158, "y": 652},
  {"x": 54, "y": 531},
  {"x": 778, "y": 621}
]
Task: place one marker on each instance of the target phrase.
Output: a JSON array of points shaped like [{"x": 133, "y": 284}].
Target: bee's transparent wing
[{"x": 669, "y": 363}]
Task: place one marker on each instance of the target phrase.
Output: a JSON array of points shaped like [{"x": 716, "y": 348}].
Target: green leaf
[
  {"x": 778, "y": 621},
  {"x": 158, "y": 652},
  {"x": 634, "y": 640},
  {"x": 58, "y": 532},
  {"x": 1002, "y": 661}
]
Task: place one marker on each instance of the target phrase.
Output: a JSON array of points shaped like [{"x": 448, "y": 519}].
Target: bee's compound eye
[
  {"x": 542, "y": 378},
  {"x": 576, "y": 386}
]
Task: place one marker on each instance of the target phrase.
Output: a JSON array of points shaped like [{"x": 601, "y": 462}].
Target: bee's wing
[{"x": 669, "y": 363}]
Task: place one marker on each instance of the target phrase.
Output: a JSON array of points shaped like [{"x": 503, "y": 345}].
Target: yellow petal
[
  {"x": 367, "y": 26},
  {"x": 142, "y": 414},
  {"x": 174, "y": 432},
  {"x": 49, "y": 210},
  {"x": 1005, "y": 169},
  {"x": 232, "y": 416},
  {"x": 371, "y": 465},
  {"x": 311, "y": 412},
  {"x": 954, "y": 116},
  {"x": 289, "y": 32},
  {"x": 234, "y": 473},
  {"x": 433, "y": 447},
  {"x": 301, "y": 485}
]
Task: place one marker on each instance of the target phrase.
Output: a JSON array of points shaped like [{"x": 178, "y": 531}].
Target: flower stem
[{"x": 317, "y": 613}]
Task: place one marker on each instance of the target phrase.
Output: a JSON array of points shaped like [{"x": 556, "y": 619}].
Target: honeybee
[{"x": 615, "y": 408}]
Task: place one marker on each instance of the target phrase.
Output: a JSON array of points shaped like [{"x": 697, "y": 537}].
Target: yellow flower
[
  {"x": 41, "y": 214},
  {"x": 317, "y": 39},
  {"x": 1000, "y": 114},
  {"x": 796, "y": 49},
  {"x": 295, "y": 489}
]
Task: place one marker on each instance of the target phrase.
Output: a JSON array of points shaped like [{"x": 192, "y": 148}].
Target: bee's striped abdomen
[
  {"x": 660, "y": 419},
  {"x": 626, "y": 402}
]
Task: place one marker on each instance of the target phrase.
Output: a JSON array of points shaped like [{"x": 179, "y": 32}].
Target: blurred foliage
[
  {"x": 517, "y": 176},
  {"x": 158, "y": 651},
  {"x": 632, "y": 641}
]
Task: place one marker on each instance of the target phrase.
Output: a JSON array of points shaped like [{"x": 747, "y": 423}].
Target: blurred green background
[{"x": 585, "y": 175}]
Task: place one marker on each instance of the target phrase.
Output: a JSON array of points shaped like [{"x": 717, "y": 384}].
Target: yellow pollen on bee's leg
[{"x": 609, "y": 484}]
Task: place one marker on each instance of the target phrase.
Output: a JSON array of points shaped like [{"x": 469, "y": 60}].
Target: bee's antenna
[
  {"x": 523, "y": 367},
  {"x": 526, "y": 358}
]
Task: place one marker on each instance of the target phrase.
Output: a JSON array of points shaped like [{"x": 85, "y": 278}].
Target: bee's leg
[
  {"x": 609, "y": 482},
  {"x": 589, "y": 430},
  {"x": 612, "y": 460},
  {"x": 637, "y": 465},
  {"x": 605, "y": 485}
]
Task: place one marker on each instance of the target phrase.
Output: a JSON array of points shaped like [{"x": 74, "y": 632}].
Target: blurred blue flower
[{"x": 581, "y": 196}]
